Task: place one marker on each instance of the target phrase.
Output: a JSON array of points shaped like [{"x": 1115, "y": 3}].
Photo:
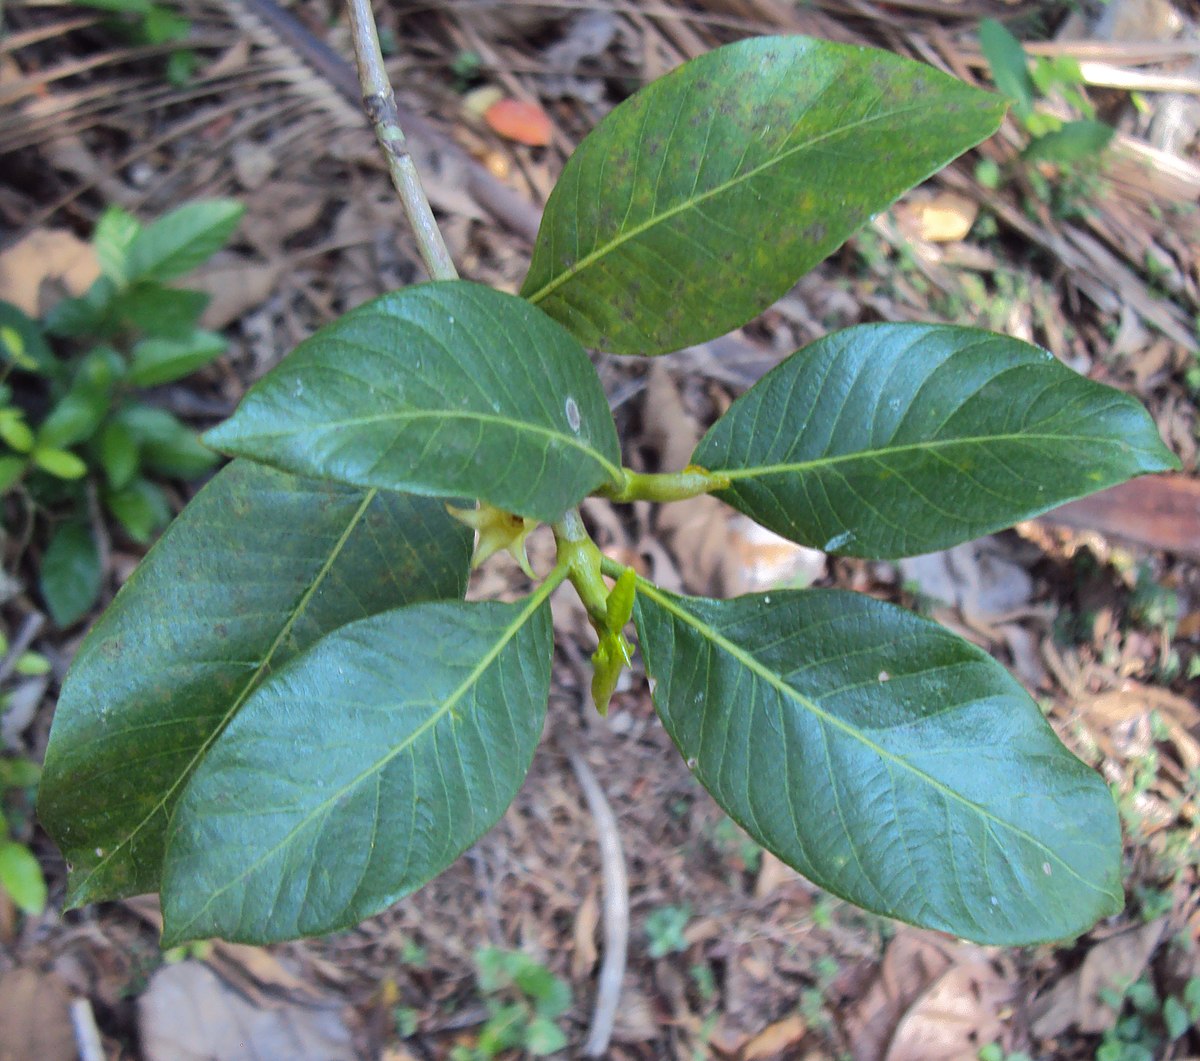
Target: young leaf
[
  {"x": 359, "y": 771},
  {"x": 699, "y": 201},
  {"x": 179, "y": 241},
  {"x": 1009, "y": 64},
  {"x": 70, "y": 573},
  {"x": 888, "y": 440},
  {"x": 157, "y": 361},
  {"x": 444, "y": 388},
  {"x": 114, "y": 232},
  {"x": 61, "y": 463},
  {"x": 21, "y": 877},
  {"x": 887, "y": 760},
  {"x": 255, "y": 569}
]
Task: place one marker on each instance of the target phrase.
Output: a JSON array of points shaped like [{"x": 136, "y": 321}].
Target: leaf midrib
[
  {"x": 594, "y": 256},
  {"x": 818, "y": 463},
  {"x": 760, "y": 670},
  {"x": 449, "y": 414},
  {"x": 247, "y": 689},
  {"x": 536, "y": 599}
]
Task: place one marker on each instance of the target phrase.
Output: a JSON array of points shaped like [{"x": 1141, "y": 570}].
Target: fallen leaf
[
  {"x": 189, "y": 1014},
  {"x": 46, "y": 255},
  {"x": 583, "y": 958},
  {"x": 519, "y": 120},
  {"x": 1074, "y": 1001},
  {"x": 956, "y": 1016},
  {"x": 761, "y": 560},
  {"x": 236, "y": 286},
  {"x": 944, "y": 218},
  {"x": 774, "y": 1039},
  {"x": 35, "y": 1017},
  {"x": 480, "y": 100}
]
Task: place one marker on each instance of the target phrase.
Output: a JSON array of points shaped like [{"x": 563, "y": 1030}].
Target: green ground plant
[
  {"x": 289, "y": 718},
  {"x": 143, "y": 22},
  {"x": 21, "y": 876},
  {"x": 72, "y": 420}
]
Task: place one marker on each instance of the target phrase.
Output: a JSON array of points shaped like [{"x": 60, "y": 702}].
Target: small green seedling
[
  {"x": 290, "y": 718},
  {"x": 665, "y": 928},
  {"x": 154, "y": 25},
  {"x": 71, "y": 418},
  {"x": 20, "y": 875},
  {"x": 524, "y": 1001}
]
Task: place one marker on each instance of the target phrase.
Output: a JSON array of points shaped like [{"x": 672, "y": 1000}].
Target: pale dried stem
[{"x": 379, "y": 101}]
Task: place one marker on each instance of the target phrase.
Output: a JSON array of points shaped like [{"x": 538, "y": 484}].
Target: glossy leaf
[
  {"x": 888, "y": 440},
  {"x": 887, "y": 760},
  {"x": 256, "y": 568},
  {"x": 699, "y": 201},
  {"x": 179, "y": 241},
  {"x": 445, "y": 388},
  {"x": 359, "y": 771},
  {"x": 70, "y": 573}
]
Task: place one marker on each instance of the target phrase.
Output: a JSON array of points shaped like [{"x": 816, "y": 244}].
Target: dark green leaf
[
  {"x": 166, "y": 312},
  {"x": 887, "y": 760},
  {"x": 85, "y": 316},
  {"x": 11, "y": 469},
  {"x": 1072, "y": 142},
  {"x": 76, "y": 417},
  {"x": 697, "y": 203},
  {"x": 21, "y": 877},
  {"x": 359, "y": 771},
  {"x": 444, "y": 388},
  {"x": 22, "y": 342},
  {"x": 70, "y": 573},
  {"x": 114, "y": 232},
  {"x": 167, "y": 446},
  {"x": 162, "y": 25},
  {"x": 888, "y": 440},
  {"x": 137, "y": 7},
  {"x": 179, "y": 241},
  {"x": 254, "y": 570},
  {"x": 157, "y": 361},
  {"x": 1009, "y": 64},
  {"x": 141, "y": 508}
]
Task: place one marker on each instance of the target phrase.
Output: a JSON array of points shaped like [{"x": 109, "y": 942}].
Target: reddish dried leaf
[{"x": 515, "y": 119}]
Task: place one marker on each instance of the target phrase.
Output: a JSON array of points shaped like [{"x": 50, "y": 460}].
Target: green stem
[
  {"x": 380, "y": 104},
  {"x": 582, "y": 558},
  {"x": 665, "y": 486}
]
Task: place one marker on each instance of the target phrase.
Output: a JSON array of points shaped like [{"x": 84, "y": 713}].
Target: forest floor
[{"x": 1096, "y": 608}]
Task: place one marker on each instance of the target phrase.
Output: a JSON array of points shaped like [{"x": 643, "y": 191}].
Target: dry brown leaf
[
  {"x": 759, "y": 559},
  {"x": 46, "y": 255},
  {"x": 774, "y": 1039},
  {"x": 943, "y": 218},
  {"x": 236, "y": 286},
  {"x": 583, "y": 958},
  {"x": 1074, "y": 1001},
  {"x": 35, "y": 1017},
  {"x": 520, "y": 120},
  {"x": 961, "y": 1012},
  {"x": 913, "y": 961},
  {"x": 772, "y": 874},
  {"x": 265, "y": 969},
  {"x": 189, "y": 1014}
]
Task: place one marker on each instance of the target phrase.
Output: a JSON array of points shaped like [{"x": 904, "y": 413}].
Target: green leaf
[
  {"x": 359, "y": 771},
  {"x": 118, "y": 454},
  {"x": 21, "y": 877},
  {"x": 543, "y": 1037},
  {"x": 167, "y": 446},
  {"x": 15, "y": 433},
  {"x": 444, "y": 388},
  {"x": 70, "y": 573},
  {"x": 254, "y": 570},
  {"x": 115, "y": 231},
  {"x": 157, "y": 361},
  {"x": 85, "y": 316},
  {"x": 699, "y": 201},
  {"x": 11, "y": 469},
  {"x": 166, "y": 312},
  {"x": 1071, "y": 142},
  {"x": 1009, "y": 64},
  {"x": 141, "y": 508},
  {"x": 179, "y": 241},
  {"x": 887, "y": 760},
  {"x": 22, "y": 342},
  {"x": 1175, "y": 1018},
  {"x": 888, "y": 440},
  {"x": 61, "y": 463},
  {"x": 137, "y": 7}
]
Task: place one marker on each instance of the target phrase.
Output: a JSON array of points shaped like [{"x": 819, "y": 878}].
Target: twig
[
  {"x": 87, "y": 1035},
  {"x": 379, "y": 101},
  {"x": 616, "y": 909}
]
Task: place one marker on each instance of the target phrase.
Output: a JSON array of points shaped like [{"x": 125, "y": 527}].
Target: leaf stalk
[{"x": 693, "y": 481}]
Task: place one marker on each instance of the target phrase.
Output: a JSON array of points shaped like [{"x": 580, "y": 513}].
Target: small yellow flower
[{"x": 496, "y": 530}]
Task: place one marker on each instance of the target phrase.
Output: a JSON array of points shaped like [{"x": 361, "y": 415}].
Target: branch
[{"x": 379, "y": 101}]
